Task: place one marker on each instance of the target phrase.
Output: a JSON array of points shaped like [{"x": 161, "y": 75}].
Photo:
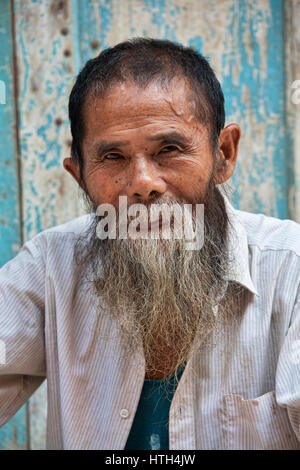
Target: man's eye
[
  {"x": 112, "y": 156},
  {"x": 169, "y": 148}
]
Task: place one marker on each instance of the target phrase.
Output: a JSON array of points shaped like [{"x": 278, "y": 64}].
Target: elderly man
[{"x": 146, "y": 344}]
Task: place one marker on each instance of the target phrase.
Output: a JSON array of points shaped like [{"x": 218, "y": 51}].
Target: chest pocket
[{"x": 259, "y": 423}]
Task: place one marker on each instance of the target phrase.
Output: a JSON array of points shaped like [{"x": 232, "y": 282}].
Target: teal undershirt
[{"x": 150, "y": 428}]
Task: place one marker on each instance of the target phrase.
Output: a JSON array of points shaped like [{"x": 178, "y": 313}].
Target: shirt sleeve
[
  {"x": 288, "y": 370},
  {"x": 22, "y": 341}
]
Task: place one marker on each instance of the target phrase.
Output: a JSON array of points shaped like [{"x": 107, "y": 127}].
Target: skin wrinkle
[
  {"x": 185, "y": 109},
  {"x": 155, "y": 291}
]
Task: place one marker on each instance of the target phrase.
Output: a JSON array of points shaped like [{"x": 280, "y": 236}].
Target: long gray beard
[{"x": 162, "y": 295}]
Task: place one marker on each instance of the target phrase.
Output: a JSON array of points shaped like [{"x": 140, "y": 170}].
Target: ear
[
  {"x": 73, "y": 169},
  {"x": 228, "y": 150}
]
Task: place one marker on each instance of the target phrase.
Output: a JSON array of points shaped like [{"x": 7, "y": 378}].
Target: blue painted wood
[
  {"x": 265, "y": 105},
  {"x": 9, "y": 188},
  {"x": 44, "y": 49},
  {"x": 44, "y": 46},
  {"x": 13, "y": 435}
]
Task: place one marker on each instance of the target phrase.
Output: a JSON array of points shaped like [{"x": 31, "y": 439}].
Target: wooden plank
[
  {"x": 45, "y": 65},
  {"x": 50, "y": 197},
  {"x": 252, "y": 74},
  {"x": 9, "y": 186},
  {"x": 13, "y": 435},
  {"x": 292, "y": 62}
]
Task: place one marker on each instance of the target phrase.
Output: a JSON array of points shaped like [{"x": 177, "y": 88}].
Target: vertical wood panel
[
  {"x": 13, "y": 435},
  {"x": 10, "y": 236},
  {"x": 45, "y": 67},
  {"x": 252, "y": 74},
  {"x": 45, "y": 64},
  {"x": 292, "y": 55}
]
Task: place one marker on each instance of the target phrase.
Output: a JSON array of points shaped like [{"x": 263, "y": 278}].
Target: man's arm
[
  {"x": 22, "y": 345},
  {"x": 288, "y": 370}
]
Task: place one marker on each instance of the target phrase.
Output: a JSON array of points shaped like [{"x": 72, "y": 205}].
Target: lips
[{"x": 158, "y": 225}]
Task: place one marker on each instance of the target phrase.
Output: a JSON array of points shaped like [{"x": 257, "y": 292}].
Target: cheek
[
  {"x": 191, "y": 175},
  {"x": 104, "y": 188}
]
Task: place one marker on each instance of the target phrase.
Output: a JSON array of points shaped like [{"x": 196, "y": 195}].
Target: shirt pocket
[{"x": 259, "y": 423}]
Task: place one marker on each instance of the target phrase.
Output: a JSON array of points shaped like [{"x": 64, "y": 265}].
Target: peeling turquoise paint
[
  {"x": 197, "y": 43},
  {"x": 52, "y": 146},
  {"x": 12, "y": 434},
  {"x": 106, "y": 16},
  {"x": 275, "y": 103},
  {"x": 32, "y": 104},
  {"x": 32, "y": 188},
  {"x": 56, "y": 45},
  {"x": 53, "y": 163},
  {"x": 265, "y": 88},
  {"x": 25, "y": 61},
  {"x": 10, "y": 236},
  {"x": 38, "y": 220},
  {"x": 158, "y": 11},
  {"x": 88, "y": 29},
  {"x": 76, "y": 36},
  {"x": 49, "y": 89}
]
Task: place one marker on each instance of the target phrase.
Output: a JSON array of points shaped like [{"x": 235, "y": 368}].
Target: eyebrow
[
  {"x": 171, "y": 137},
  {"x": 106, "y": 146}
]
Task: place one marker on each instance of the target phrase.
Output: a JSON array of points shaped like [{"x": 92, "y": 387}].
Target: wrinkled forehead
[{"x": 127, "y": 100}]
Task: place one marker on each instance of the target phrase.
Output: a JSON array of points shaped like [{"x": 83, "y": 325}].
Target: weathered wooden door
[{"x": 253, "y": 45}]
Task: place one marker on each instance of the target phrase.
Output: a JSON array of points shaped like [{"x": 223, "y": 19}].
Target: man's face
[{"x": 144, "y": 144}]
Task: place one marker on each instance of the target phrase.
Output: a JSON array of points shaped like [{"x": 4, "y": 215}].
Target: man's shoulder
[
  {"x": 59, "y": 234},
  {"x": 270, "y": 233},
  {"x": 75, "y": 226}
]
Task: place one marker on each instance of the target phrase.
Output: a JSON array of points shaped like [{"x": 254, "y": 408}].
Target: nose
[{"x": 144, "y": 182}]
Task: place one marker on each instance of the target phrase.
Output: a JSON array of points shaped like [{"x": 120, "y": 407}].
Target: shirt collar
[{"x": 238, "y": 250}]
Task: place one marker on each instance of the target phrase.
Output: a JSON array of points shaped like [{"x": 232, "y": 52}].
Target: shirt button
[{"x": 124, "y": 413}]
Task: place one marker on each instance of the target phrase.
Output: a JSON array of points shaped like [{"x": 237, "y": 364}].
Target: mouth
[
  {"x": 155, "y": 226},
  {"x": 148, "y": 226}
]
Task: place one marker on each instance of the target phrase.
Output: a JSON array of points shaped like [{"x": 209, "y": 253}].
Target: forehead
[{"x": 127, "y": 106}]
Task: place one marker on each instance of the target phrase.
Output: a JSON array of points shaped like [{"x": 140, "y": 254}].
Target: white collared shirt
[{"x": 244, "y": 393}]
